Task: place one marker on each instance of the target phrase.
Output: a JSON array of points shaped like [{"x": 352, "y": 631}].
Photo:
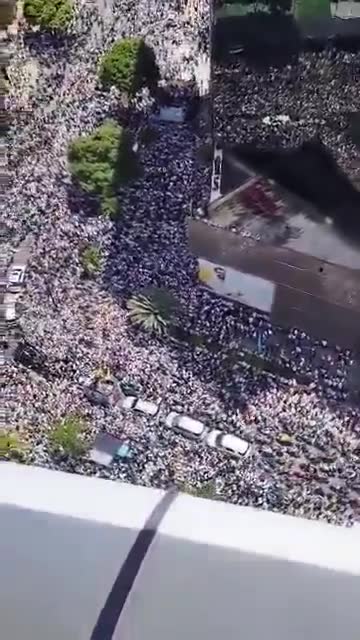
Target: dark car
[
  {"x": 32, "y": 358},
  {"x": 106, "y": 393}
]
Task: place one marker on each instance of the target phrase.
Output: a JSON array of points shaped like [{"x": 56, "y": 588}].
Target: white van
[
  {"x": 237, "y": 447},
  {"x": 185, "y": 426},
  {"x": 143, "y": 406}
]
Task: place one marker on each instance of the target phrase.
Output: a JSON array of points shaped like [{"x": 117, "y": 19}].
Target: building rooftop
[
  {"x": 257, "y": 227},
  {"x": 297, "y": 225},
  {"x": 307, "y": 288}
]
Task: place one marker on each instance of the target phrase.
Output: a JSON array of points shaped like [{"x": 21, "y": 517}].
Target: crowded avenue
[
  {"x": 304, "y": 438},
  {"x": 314, "y": 96}
]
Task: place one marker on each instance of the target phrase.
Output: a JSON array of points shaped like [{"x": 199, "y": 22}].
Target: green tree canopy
[
  {"x": 10, "y": 445},
  {"x": 129, "y": 65},
  {"x": 50, "y": 15},
  {"x": 91, "y": 260},
  {"x": 66, "y": 437},
  {"x": 205, "y": 490},
  {"x": 103, "y": 161},
  {"x": 312, "y": 9}
]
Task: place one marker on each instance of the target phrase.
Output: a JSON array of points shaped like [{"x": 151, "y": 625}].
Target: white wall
[
  {"x": 206, "y": 591},
  {"x": 213, "y": 571},
  {"x": 63, "y": 539},
  {"x": 243, "y": 287}
]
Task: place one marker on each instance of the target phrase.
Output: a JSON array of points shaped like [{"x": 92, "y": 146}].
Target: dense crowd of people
[
  {"x": 314, "y": 96},
  {"x": 82, "y": 325}
]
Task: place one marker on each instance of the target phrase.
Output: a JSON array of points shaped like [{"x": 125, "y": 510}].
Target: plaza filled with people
[
  {"x": 305, "y": 438},
  {"x": 284, "y": 106}
]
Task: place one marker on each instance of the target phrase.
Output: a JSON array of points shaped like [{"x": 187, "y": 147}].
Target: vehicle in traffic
[
  {"x": 284, "y": 438},
  {"x": 143, "y": 406},
  {"x": 235, "y": 446},
  {"x": 185, "y": 426},
  {"x": 16, "y": 276}
]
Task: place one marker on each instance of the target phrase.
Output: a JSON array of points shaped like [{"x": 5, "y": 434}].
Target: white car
[
  {"x": 233, "y": 445},
  {"x": 185, "y": 426},
  {"x": 149, "y": 408},
  {"x": 16, "y": 276}
]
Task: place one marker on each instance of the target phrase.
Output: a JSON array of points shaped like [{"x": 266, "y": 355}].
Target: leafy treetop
[
  {"x": 10, "y": 445},
  {"x": 66, "y": 437},
  {"x": 91, "y": 260},
  {"x": 103, "y": 161},
  {"x": 51, "y": 15},
  {"x": 129, "y": 65}
]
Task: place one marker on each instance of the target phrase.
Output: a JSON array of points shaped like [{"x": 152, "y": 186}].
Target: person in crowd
[{"x": 82, "y": 325}]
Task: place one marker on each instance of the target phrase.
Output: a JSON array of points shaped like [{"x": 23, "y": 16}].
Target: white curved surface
[{"x": 213, "y": 570}]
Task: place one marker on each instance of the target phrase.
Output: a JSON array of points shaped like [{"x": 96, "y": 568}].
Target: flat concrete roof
[{"x": 298, "y": 225}]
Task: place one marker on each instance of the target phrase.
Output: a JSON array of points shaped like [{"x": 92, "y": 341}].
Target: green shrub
[
  {"x": 65, "y": 438},
  {"x": 206, "y": 490},
  {"x": 129, "y": 65},
  {"x": 103, "y": 161},
  {"x": 10, "y": 446},
  {"x": 312, "y": 9},
  {"x": 50, "y": 15},
  {"x": 91, "y": 260}
]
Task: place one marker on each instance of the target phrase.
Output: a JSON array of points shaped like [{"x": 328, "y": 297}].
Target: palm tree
[{"x": 153, "y": 309}]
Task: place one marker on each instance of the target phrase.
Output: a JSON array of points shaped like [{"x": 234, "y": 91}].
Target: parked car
[
  {"x": 233, "y": 445},
  {"x": 143, "y": 406},
  {"x": 32, "y": 358},
  {"x": 16, "y": 276},
  {"x": 185, "y": 426}
]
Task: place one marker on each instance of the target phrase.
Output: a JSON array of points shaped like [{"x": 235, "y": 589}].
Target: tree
[
  {"x": 206, "y": 490},
  {"x": 66, "y": 437},
  {"x": 50, "y": 15},
  {"x": 129, "y": 65},
  {"x": 91, "y": 260},
  {"x": 312, "y": 9},
  {"x": 153, "y": 309},
  {"x": 103, "y": 161},
  {"x": 10, "y": 446}
]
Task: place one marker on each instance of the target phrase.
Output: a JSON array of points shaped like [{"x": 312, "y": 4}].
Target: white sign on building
[{"x": 244, "y": 287}]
